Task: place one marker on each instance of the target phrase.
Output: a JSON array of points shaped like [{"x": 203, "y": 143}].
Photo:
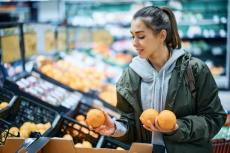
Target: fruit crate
[
  {"x": 86, "y": 103},
  {"x": 6, "y": 96},
  {"x": 4, "y": 130},
  {"x": 78, "y": 132},
  {"x": 49, "y": 79},
  {"x": 109, "y": 142},
  {"x": 49, "y": 94},
  {"x": 92, "y": 93},
  {"x": 221, "y": 146},
  {"x": 83, "y": 106},
  {"x": 25, "y": 110}
]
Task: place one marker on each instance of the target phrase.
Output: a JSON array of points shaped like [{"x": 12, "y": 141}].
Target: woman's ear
[{"x": 163, "y": 35}]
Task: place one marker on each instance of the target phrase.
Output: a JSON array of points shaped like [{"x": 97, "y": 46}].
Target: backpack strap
[{"x": 189, "y": 77}]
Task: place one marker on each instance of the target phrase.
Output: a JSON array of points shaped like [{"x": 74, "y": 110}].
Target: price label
[
  {"x": 61, "y": 40},
  {"x": 49, "y": 41},
  {"x": 102, "y": 36},
  {"x": 84, "y": 37},
  {"x": 71, "y": 38},
  {"x": 30, "y": 40},
  {"x": 10, "y": 48}
]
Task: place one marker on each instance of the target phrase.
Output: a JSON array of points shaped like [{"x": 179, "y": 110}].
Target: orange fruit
[
  {"x": 95, "y": 118},
  {"x": 148, "y": 114},
  {"x": 80, "y": 118},
  {"x": 167, "y": 120}
]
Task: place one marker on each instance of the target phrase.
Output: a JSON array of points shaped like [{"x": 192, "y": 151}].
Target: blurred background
[{"x": 79, "y": 48}]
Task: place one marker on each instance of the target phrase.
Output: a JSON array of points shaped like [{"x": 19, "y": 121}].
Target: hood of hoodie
[
  {"x": 146, "y": 71},
  {"x": 154, "y": 84}
]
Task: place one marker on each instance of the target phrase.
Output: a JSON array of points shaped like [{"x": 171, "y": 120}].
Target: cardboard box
[{"x": 58, "y": 145}]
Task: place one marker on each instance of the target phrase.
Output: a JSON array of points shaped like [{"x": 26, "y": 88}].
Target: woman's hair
[{"x": 158, "y": 19}]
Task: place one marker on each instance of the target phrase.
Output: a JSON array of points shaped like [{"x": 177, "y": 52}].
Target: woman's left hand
[{"x": 156, "y": 128}]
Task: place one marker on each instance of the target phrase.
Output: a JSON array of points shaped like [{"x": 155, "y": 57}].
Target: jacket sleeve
[
  {"x": 127, "y": 119},
  {"x": 210, "y": 115}
]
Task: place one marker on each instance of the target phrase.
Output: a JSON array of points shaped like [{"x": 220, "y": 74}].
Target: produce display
[
  {"x": 72, "y": 76},
  {"x": 70, "y": 129},
  {"x": 48, "y": 92},
  {"x": 79, "y": 78},
  {"x": 26, "y": 117}
]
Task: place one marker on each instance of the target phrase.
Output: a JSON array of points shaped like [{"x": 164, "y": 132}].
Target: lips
[{"x": 139, "y": 50}]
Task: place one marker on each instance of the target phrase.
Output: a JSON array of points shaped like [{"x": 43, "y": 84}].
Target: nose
[{"x": 135, "y": 42}]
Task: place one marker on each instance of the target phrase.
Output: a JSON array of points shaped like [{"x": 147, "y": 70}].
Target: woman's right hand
[{"x": 108, "y": 128}]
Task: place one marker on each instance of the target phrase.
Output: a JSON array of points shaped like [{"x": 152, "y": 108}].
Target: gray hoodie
[{"x": 154, "y": 87}]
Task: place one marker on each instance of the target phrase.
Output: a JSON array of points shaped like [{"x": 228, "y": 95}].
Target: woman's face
[{"x": 144, "y": 40}]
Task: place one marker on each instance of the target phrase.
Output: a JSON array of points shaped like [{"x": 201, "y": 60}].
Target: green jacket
[{"x": 199, "y": 118}]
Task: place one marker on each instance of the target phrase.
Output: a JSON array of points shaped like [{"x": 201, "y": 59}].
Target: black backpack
[{"x": 190, "y": 79}]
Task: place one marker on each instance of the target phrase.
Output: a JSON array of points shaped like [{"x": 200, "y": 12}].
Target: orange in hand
[
  {"x": 95, "y": 118},
  {"x": 148, "y": 114},
  {"x": 166, "y": 120}
]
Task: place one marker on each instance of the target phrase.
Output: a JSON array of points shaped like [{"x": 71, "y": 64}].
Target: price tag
[
  {"x": 61, "y": 40},
  {"x": 102, "y": 36},
  {"x": 49, "y": 41},
  {"x": 10, "y": 48},
  {"x": 30, "y": 40},
  {"x": 84, "y": 37},
  {"x": 71, "y": 38}
]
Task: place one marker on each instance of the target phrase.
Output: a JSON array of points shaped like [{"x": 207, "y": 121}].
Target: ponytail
[{"x": 173, "y": 40}]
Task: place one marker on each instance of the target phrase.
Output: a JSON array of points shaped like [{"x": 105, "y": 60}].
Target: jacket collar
[{"x": 129, "y": 84}]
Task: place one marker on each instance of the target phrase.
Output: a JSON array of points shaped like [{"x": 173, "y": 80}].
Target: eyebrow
[{"x": 136, "y": 32}]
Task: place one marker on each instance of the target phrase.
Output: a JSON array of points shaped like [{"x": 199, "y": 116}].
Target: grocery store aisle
[{"x": 225, "y": 99}]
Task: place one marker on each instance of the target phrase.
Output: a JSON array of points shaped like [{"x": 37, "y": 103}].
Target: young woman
[{"x": 156, "y": 79}]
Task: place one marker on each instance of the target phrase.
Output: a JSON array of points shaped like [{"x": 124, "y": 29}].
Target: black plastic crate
[
  {"x": 4, "y": 130},
  {"x": 6, "y": 96},
  {"x": 25, "y": 110},
  {"x": 221, "y": 146},
  {"x": 109, "y": 142},
  {"x": 86, "y": 103},
  {"x": 82, "y": 108},
  {"x": 40, "y": 92},
  {"x": 78, "y": 131}
]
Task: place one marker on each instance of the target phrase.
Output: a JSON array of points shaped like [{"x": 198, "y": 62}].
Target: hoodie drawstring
[
  {"x": 154, "y": 91},
  {"x": 162, "y": 90},
  {"x": 153, "y": 101}
]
